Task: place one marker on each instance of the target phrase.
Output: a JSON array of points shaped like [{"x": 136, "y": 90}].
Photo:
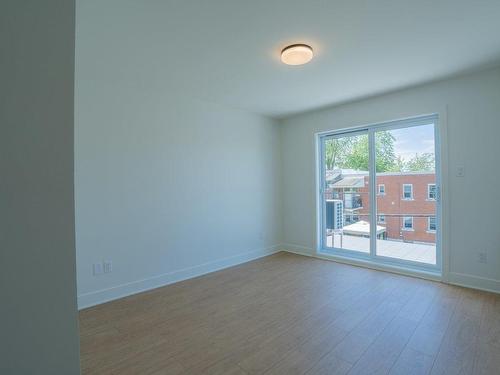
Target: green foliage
[
  {"x": 421, "y": 163},
  {"x": 336, "y": 151},
  {"x": 384, "y": 151},
  {"x": 353, "y": 153},
  {"x": 399, "y": 165}
]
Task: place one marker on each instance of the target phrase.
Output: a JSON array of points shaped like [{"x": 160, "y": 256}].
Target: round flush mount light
[{"x": 296, "y": 54}]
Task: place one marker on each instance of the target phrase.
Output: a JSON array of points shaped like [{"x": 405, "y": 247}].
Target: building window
[
  {"x": 431, "y": 192},
  {"x": 381, "y": 189},
  {"x": 381, "y": 218},
  {"x": 431, "y": 223},
  {"x": 407, "y": 191},
  {"x": 408, "y": 223}
]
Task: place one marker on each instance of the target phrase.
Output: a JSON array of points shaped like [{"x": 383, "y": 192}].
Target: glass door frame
[
  {"x": 323, "y": 248},
  {"x": 370, "y": 130}
]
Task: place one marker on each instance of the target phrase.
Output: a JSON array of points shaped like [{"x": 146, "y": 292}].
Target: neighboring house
[
  {"x": 350, "y": 186},
  {"x": 406, "y": 202}
]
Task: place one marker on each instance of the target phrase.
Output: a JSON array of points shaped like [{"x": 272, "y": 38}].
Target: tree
[
  {"x": 385, "y": 158},
  {"x": 399, "y": 165},
  {"x": 357, "y": 158},
  {"x": 421, "y": 163},
  {"x": 336, "y": 150},
  {"x": 353, "y": 152}
]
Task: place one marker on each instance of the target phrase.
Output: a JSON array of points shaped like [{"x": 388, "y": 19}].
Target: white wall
[
  {"x": 38, "y": 316},
  {"x": 472, "y": 105},
  {"x": 168, "y": 187}
]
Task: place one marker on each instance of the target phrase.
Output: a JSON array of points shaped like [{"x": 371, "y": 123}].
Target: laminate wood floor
[{"x": 289, "y": 314}]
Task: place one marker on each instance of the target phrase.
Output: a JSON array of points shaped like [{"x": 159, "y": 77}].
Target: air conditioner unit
[{"x": 334, "y": 214}]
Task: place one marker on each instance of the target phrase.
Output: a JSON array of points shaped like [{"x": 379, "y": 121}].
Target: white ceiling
[{"x": 227, "y": 51}]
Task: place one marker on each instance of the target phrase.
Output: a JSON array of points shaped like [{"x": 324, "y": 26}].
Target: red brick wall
[{"x": 392, "y": 203}]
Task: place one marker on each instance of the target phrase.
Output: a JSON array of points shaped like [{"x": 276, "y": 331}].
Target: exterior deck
[{"x": 416, "y": 252}]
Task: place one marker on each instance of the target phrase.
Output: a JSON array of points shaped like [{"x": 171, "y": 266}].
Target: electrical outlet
[
  {"x": 108, "y": 266},
  {"x": 460, "y": 171},
  {"x": 482, "y": 257},
  {"x": 97, "y": 269}
]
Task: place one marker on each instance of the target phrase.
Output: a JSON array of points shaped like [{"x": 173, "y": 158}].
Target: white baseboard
[
  {"x": 105, "y": 295},
  {"x": 475, "y": 282},
  {"x": 468, "y": 281},
  {"x": 298, "y": 249}
]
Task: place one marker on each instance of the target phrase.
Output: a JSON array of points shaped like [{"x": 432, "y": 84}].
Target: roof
[
  {"x": 350, "y": 182},
  {"x": 335, "y": 174},
  {"x": 361, "y": 228},
  {"x": 351, "y": 172},
  {"x": 405, "y": 173}
]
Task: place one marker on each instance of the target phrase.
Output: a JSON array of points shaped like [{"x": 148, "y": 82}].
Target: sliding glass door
[
  {"x": 379, "y": 193},
  {"x": 346, "y": 192}
]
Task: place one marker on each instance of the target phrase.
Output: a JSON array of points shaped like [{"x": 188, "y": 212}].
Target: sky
[{"x": 417, "y": 139}]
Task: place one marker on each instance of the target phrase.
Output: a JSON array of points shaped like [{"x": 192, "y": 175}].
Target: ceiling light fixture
[{"x": 296, "y": 54}]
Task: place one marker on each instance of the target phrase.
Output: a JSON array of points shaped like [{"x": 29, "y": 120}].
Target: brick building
[{"x": 406, "y": 202}]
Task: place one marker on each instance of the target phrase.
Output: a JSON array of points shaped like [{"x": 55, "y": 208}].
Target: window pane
[
  {"x": 432, "y": 223},
  {"x": 432, "y": 191},
  {"x": 405, "y": 165},
  {"x": 407, "y": 189},
  {"x": 408, "y": 222},
  {"x": 346, "y": 199}
]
